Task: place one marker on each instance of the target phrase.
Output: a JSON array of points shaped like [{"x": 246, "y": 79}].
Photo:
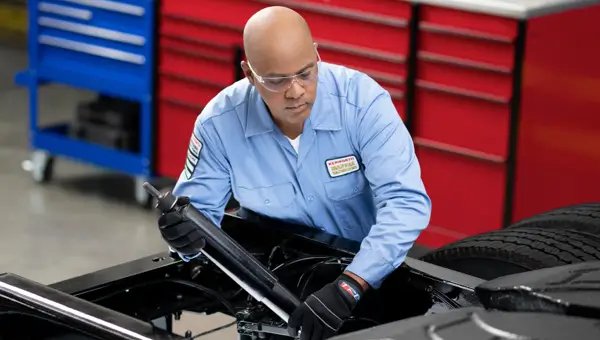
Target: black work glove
[
  {"x": 180, "y": 233},
  {"x": 322, "y": 313}
]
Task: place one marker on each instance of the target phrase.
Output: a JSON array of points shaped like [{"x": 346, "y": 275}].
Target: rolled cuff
[{"x": 371, "y": 267}]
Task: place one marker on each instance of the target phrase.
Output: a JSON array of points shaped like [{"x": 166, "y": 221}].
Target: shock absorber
[{"x": 256, "y": 279}]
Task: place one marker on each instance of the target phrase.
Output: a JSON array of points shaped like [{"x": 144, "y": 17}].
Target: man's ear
[{"x": 247, "y": 72}]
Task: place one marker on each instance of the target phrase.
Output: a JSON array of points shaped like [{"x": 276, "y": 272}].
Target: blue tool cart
[{"x": 105, "y": 46}]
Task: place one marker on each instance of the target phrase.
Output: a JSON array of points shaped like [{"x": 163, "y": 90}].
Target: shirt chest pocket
[
  {"x": 274, "y": 196},
  {"x": 346, "y": 187}
]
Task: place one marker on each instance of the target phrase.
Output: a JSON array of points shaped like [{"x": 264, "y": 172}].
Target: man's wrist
[{"x": 363, "y": 284}]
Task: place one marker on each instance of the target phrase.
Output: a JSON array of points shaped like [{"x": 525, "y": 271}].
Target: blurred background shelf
[{"x": 13, "y": 22}]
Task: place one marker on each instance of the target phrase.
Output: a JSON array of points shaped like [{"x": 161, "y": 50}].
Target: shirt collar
[
  {"x": 258, "y": 118},
  {"x": 323, "y": 115}
]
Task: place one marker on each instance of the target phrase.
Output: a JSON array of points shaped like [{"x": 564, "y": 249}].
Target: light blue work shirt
[{"x": 355, "y": 175}]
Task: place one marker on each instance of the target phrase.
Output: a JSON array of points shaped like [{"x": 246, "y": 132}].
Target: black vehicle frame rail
[{"x": 174, "y": 285}]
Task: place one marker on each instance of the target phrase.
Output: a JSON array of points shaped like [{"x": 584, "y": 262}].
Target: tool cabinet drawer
[
  {"x": 391, "y": 8},
  {"x": 397, "y": 90},
  {"x": 196, "y": 63},
  {"x": 364, "y": 60},
  {"x": 196, "y": 29},
  {"x": 89, "y": 59},
  {"x": 186, "y": 89},
  {"x": 468, "y": 193},
  {"x": 475, "y": 51},
  {"x": 175, "y": 125},
  {"x": 400, "y": 105},
  {"x": 468, "y": 23},
  {"x": 395, "y": 84},
  {"x": 466, "y": 77},
  {"x": 473, "y": 123},
  {"x": 359, "y": 29},
  {"x": 129, "y": 16},
  {"x": 104, "y": 40},
  {"x": 218, "y": 50}
]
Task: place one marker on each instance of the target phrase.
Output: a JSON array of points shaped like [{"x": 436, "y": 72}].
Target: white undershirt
[{"x": 295, "y": 142}]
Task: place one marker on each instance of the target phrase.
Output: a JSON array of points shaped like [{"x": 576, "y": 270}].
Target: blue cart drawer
[
  {"x": 125, "y": 16},
  {"x": 105, "y": 41}
]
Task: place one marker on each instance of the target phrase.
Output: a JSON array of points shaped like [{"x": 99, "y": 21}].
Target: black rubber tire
[
  {"x": 510, "y": 251},
  {"x": 584, "y": 218}
]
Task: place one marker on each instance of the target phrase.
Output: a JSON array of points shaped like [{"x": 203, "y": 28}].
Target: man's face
[{"x": 287, "y": 82}]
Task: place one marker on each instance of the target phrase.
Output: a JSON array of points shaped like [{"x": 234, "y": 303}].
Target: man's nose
[{"x": 295, "y": 91}]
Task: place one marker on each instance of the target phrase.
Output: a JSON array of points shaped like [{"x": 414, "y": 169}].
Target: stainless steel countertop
[{"x": 519, "y": 9}]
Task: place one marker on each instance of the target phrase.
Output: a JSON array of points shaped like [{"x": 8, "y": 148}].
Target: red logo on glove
[{"x": 345, "y": 286}]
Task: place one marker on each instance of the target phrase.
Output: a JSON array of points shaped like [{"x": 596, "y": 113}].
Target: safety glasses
[{"x": 282, "y": 84}]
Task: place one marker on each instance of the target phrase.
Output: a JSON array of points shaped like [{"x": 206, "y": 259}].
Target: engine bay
[{"x": 133, "y": 296}]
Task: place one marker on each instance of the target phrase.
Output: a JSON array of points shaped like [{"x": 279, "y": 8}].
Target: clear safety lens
[{"x": 279, "y": 84}]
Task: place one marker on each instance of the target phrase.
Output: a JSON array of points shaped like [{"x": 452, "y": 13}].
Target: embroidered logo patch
[
  {"x": 193, "y": 156},
  {"x": 342, "y": 166},
  {"x": 345, "y": 286}
]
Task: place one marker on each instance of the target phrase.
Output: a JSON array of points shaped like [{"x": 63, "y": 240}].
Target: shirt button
[
  {"x": 310, "y": 198},
  {"x": 355, "y": 189},
  {"x": 267, "y": 202}
]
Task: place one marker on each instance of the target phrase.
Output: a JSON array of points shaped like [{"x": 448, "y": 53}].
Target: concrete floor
[{"x": 84, "y": 220}]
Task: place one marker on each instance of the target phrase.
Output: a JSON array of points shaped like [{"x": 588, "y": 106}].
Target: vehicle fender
[{"x": 570, "y": 290}]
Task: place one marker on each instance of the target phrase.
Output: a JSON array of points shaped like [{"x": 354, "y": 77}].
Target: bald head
[
  {"x": 275, "y": 33},
  {"x": 278, "y": 44}
]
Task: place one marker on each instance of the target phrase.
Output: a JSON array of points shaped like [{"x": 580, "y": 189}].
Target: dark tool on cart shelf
[{"x": 256, "y": 280}]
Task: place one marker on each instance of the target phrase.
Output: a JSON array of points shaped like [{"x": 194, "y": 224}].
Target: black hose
[
  {"x": 344, "y": 262},
  {"x": 205, "y": 290},
  {"x": 298, "y": 260},
  {"x": 190, "y": 284}
]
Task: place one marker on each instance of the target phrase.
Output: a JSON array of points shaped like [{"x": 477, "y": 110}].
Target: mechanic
[{"x": 313, "y": 143}]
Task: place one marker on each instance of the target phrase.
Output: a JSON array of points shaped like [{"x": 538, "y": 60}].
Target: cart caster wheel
[
  {"x": 41, "y": 166},
  {"x": 142, "y": 197}
]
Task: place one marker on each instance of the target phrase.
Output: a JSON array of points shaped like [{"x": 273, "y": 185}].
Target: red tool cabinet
[
  {"x": 198, "y": 44},
  {"x": 495, "y": 103},
  {"x": 464, "y": 83},
  {"x": 499, "y": 133}
]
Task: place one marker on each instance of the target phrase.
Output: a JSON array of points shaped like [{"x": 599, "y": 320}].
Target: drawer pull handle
[
  {"x": 212, "y": 24},
  {"x": 82, "y": 14},
  {"x": 461, "y": 32},
  {"x": 381, "y": 76},
  {"x": 427, "y": 85},
  {"x": 457, "y": 150},
  {"x": 92, "y": 31},
  {"x": 466, "y": 63},
  {"x": 111, "y": 6},
  {"x": 361, "y": 51},
  {"x": 185, "y": 104},
  {"x": 198, "y": 55},
  {"x": 341, "y": 12},
  {"x": 197, "y": 41},
  {"x": 99, "y": 51},
  {"x": 396, "y": 94},
  {"x": 193, "y": 80}
]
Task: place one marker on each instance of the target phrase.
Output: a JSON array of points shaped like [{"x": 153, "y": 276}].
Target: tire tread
[
  {"x": 584, "y": 218},
  {"x": 533, "y": 248}
]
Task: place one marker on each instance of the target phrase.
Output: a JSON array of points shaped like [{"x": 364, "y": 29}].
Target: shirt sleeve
[
  {"x": 394, "y": 174},
  {"x": 205, "y": 178}
]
